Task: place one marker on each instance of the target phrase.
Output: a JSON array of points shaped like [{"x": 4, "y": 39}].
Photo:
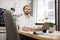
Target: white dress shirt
[{"x": 28, "y": 22}]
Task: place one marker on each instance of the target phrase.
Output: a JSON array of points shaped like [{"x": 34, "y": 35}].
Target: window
[{"x": 44, "y": 11}]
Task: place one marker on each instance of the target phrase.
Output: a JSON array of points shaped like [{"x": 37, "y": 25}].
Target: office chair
[{"x": 11, "y": 30}]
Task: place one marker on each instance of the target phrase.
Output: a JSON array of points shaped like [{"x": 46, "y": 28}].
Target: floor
[
  {"x": 2, "y": 33},
  {"x": 2, "y": 36}
]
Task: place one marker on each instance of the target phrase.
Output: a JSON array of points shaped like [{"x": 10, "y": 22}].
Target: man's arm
[
  {"x": 25, "y": 28},
  {"x": 38, "y": 29}
]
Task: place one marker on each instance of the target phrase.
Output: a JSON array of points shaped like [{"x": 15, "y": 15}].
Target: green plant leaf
[
  {"x": 51, "y": 24},
  {"x": 13, "y": 9}
]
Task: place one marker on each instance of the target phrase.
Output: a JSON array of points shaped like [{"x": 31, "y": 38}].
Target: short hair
[{"x": 26, "y": 6}]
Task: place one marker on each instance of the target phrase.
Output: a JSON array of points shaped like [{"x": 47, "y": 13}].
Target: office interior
[{"x": 41, "y": 10}]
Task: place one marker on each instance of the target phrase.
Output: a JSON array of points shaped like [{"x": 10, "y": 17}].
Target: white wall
[
  {"x": 7, "y": 4},
  {"x": 17, "y": 4}
]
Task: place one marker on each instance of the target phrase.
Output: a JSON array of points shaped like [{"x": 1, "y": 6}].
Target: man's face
[{"x": 27, "y": 10}]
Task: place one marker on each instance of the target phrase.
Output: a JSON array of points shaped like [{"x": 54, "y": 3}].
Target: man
[{"x": 26, "y": 21}]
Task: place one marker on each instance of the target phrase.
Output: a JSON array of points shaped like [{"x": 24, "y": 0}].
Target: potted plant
[{"x": 46, "y": 18}]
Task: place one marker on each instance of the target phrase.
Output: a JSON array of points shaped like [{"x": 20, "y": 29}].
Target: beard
[{"x": 27, "y": 13}]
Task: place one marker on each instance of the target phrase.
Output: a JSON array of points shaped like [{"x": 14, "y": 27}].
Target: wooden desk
[{"x": 39, "y": 37}]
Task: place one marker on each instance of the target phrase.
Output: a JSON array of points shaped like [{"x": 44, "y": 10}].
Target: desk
[{"x": 39, "y": 37}]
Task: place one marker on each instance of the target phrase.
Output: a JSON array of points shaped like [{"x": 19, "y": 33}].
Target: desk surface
[{"x": 39, "y": 37}]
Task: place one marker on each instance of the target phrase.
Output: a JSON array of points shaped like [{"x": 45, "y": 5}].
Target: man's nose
[{"x": 27, "y": 10}]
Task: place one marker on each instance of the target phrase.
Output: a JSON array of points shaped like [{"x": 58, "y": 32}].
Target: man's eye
[{"x": 25, "y": 9}]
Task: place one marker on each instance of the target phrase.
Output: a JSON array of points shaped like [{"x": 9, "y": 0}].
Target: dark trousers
[{"x": 22, "y": 37}]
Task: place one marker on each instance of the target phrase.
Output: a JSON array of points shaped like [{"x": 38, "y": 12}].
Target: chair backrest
[{"x": 11, "y": 30}]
